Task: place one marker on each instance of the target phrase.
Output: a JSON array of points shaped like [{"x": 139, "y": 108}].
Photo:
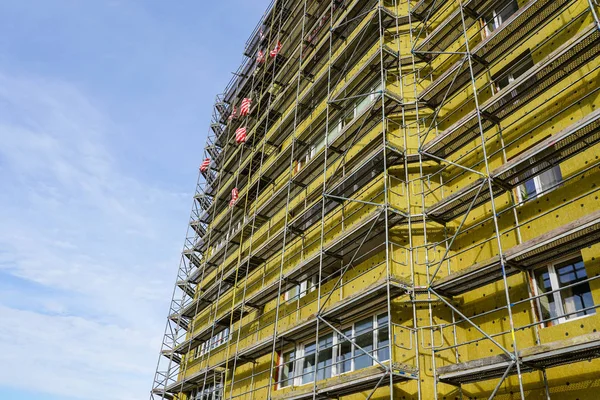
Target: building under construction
[{"x": 397, "y": 199}]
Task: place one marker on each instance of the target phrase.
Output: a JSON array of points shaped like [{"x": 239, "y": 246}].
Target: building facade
[{"x": 398, "y": 199}]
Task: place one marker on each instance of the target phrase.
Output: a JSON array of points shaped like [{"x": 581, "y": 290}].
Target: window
[
  {"x": 344, "y": 359},
  {"x": 510, "y": 73},
  {"x": 286, "y": 369},
  {"x": 372, "y": 335},
  {"x": 337, "y": 355},
  {"x": 492, "y": 19},
  {"x": 213, "y": 342},
  {"x": 559, "y": 306},
  {"x": 325, "y": 359},
  {"x": 540, "y": 183},
  {"x": 335, "y": 130},
  {"x": 209, "y": 392},
  {"x": 301, "y": 290},
  {"x": 312, "y": 151},
  {"x": 308, "y": 364},
  {"x": 315, "y": 148},
  {"x": 363, "y": 336},
  {"x": 362, "y": 104},
  {"x": 383, "y": 337}
]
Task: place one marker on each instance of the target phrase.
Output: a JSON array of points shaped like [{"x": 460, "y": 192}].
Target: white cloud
[
  {"x": 90, "y": 247},
  {"x": 74, "y": 356}
]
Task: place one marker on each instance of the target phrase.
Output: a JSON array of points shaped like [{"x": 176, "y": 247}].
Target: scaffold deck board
[
  {"x": 198, "y": 227},
  {"x": 530, "y": 16},
  {"x": 341, "y": 310},
  {"x": 573, "y": 236},
  {"x": 553, "y": 150},
  {"x": 365, "y": 72},
  {"x": 194, "y": 258},
  {"x": 186, "y": 287},
  {"x": 163, "y": 394},
  {"x": 206, "y": 376},
  {"x": 349, "y": 383},
  {"x": 363, "y": 168},
  {"x": 573, "y": 54},
  {"x": 458, "y": 203},
  {"x": 171, "y": 355},
  {"x": 580, "y": 348}
]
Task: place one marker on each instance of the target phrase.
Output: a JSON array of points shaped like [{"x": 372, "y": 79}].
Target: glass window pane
[
  {"x": 308, "y": 368},
  {"x": 383, "y": 337},
  {"x": 325, "y": 357},
  {"x": 363, "y": 332},
  {"x": 545, "y": 303},
  {"x": 287, "y": 369},
  {"x": 292, "y": 294},
  {"x": 503, "y": 81},
  {"x": 335, "y": 130},
  {"x": 495, "y": 17},
  {"x": 517, "y": 68},
  {"x": 344, "y": 361},
  {"x": 362, "y": 105},
  {"x": 577, "y": 297},
  {"x": 506, "y": 10},
  {"x": 318, "y": 146},
  {"x": 527, "y": 190},
  {"x": 550, "y": 178}
]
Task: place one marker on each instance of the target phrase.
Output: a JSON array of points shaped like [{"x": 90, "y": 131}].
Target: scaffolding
[{"x": 384, "y": 183}]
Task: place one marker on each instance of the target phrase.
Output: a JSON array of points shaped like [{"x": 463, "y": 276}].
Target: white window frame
[
  {"x": 280, "y": 365},
  {"x": 300, "y": 364},
  {"x": 555, "y": 285},
  {"x": 354, "y": 355}
]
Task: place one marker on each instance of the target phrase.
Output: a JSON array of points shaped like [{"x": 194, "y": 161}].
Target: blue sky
[{"x": 104, "y": 109}]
